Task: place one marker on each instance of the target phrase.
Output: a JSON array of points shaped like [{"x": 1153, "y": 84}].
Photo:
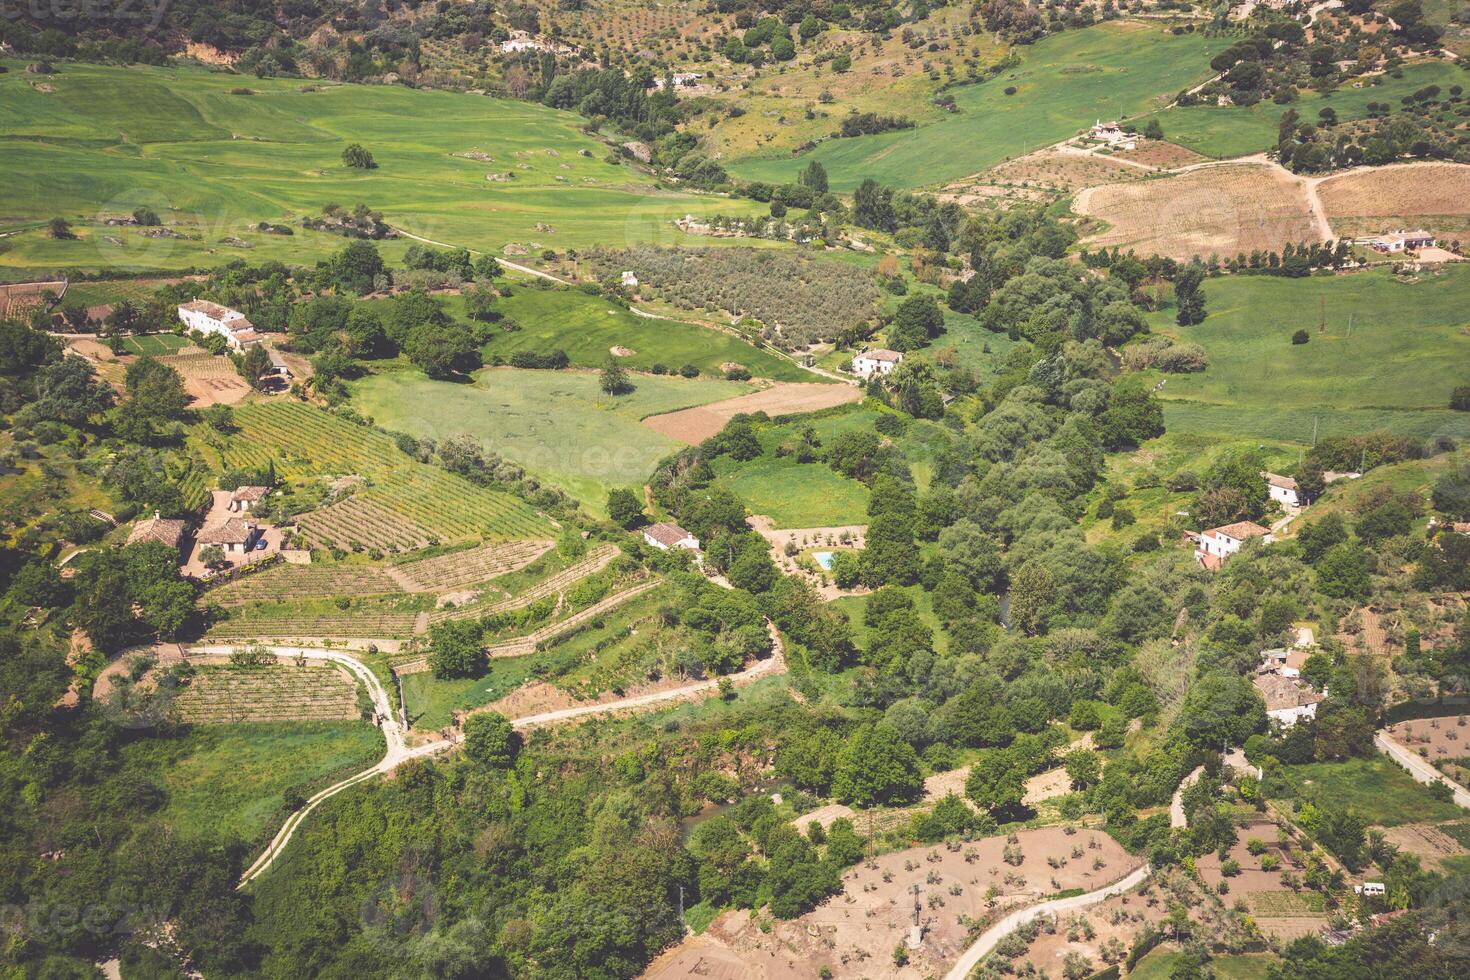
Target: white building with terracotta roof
[
  {"x": 1212, "y": 547},
  {"x": 1284, "y": 490},
  {"x": 871, "y": 362},
  {"x": 1287, "y": 699},
  {"x": 207, "y": 317},
  {"x": 244, "y": 499},
  {"x": 235, "y": 536},
  {"x": 665, "y": 535},
  {"x": 164, "y": 530}
]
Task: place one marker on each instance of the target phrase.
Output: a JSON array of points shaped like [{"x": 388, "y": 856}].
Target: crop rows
[
  {"x": 593, "y": 563},
  {"x": 358, "y": 522},
  {"x": 286, "y": 692},
  {"x": 529, "y": 642},
  {"x": 407, "y": 504},
  {"x": 306, "y": 582},
  {"x": 350, "y": 623},
  {"x": 469, "y": 567}
]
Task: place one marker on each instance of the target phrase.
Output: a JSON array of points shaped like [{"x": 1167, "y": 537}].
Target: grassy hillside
[
  {"x": 557, "y": 424},
  {"x": 1229, "y": 131},
  {"x": 227, "y": 780},
  {"x": 1407, "y": 349},
  {"x": 93, "y": 141},
  {"x": 1063, "y": 84},
  {"x": 588, "y": 327}
]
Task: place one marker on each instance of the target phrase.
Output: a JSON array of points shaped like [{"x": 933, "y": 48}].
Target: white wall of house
[
  {"x": 1290, "y": 716},
  {"x": 866, "y": 367},
  {"x": 1284, "y": 495}
]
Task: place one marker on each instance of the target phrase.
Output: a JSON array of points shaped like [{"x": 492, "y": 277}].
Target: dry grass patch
[
  {"x": 1435, "y": 196},
  {"x": 1221, "y": 210}
]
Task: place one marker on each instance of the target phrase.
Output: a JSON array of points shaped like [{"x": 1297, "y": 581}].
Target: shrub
[{"x": 1300, "y": 337}]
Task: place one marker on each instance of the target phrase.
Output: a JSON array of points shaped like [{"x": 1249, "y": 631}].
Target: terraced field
[
  {"x": 406, "y": 505},
  {"x": 595, "y": 561},
  {"x": 438, "y": 574},
  {"x": 463, "y": 568},
  {"x": 362, "y": 619},
  {"x": 286, "y": 692},
  {"x": 306, "y": 582}
]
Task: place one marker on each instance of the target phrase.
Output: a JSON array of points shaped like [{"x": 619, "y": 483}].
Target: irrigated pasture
[
  {"x": 1064, "y": 83},
  {"x": 404, "y": 505},
  {"x": 1211, "y": 211},
  {"x": 1433, "y": 196},
  {"x": 1389, "y": 357},
  {"x": 100, "y": 141},
  {"x": 557, "y": 424}
]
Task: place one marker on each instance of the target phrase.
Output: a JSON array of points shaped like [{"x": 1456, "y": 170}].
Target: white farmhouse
[
  {"x": 665, "y": 535},
  {"x": 207, "y": 317},
  {"x": 871, "y": 362},
  {"x": 1287, "y": 699},
  {"x": 1401, "y": 241},
  {"x": 1284, "y": 490},
  {"x": 1212, "y": 547}
]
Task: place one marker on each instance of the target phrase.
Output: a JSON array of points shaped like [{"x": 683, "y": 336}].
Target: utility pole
[
  {"x": 1322, "y": 315},
  {"x": 1314, "y": 432}
]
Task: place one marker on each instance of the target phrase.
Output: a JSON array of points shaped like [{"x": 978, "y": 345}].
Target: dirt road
[
  {"x": 398, "y": 751},
  {"x": 1421, "y": 770},
  {"x": 990, "y": 937}
]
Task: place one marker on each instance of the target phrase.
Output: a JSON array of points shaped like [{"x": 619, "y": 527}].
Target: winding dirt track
[{"x": 398, "y": 751}]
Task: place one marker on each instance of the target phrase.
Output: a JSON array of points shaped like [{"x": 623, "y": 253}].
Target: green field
[
  {"x": 557, "y": 424},
  {"x": 156, "y": 344},
  {"x": 796, "y": 494},
  {"x": 1160, "y": 964},
  {"x": 431, "y": 702},
  {"x": 1377, "y": 788},
  {"x": 402, "y": 505},
  {"x": 1230, "y": 131},
  {"x": 106, "y": 140},
  {"x": 588, "y": 327},
  {"x": 1064, "y": 84},
  {"x": 1407, "y": 349},
  {"x": 227, "y": 780}
]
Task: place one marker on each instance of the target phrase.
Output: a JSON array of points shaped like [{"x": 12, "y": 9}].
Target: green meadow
[
  {"x": 1230, "y": 131},
  {"x": 588, "y": 327},
  {"x": 1388, "y": 359},
  {"x": 95, "y": 141},
  {"x": 228, "y": 780},
  {"x": 1064, "y": 83},
  {"x": 795, "y": 494},
  {"x": 557, "y": 424}
]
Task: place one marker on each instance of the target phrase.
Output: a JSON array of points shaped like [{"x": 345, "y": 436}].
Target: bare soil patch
[
  {"x": 209, "y": 380},
  {"x": 1044, "y": 175},
  {"x": 854, "y": 933},
  {"x": 1214, "y": 210},
  {"x": 1160, "y": 153},
  {"x": 1425, "y": 841},
  {"x": 694, "y": 425},
  {"x": 1435, "y": 196},
  {"x": 1434, "y": 739}
]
